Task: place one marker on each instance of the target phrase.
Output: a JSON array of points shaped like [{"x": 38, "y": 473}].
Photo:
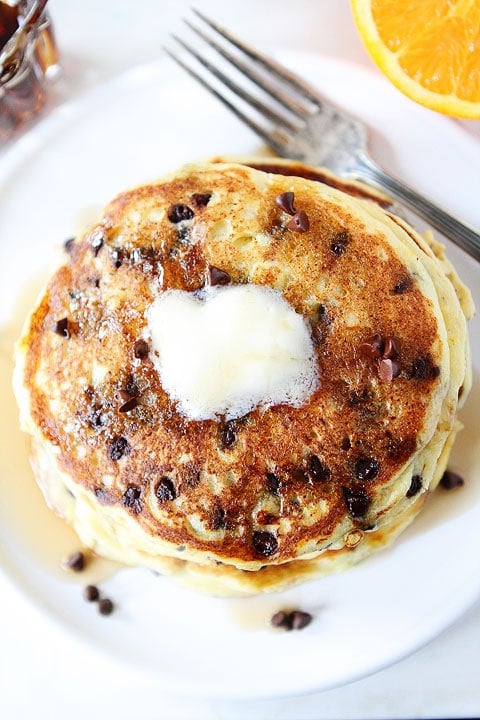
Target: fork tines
[{"x": 249, "y": 80}]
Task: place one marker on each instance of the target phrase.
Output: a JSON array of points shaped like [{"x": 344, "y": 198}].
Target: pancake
[{"x": 295, "y": 485}]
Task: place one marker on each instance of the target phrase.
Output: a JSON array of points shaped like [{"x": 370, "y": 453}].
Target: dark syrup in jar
[
  {"x": 8, "y": 22},
  {"x": 22, "y": 96}
]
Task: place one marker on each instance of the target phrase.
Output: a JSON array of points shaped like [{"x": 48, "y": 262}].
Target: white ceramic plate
[{"x": 135, "y": 128}]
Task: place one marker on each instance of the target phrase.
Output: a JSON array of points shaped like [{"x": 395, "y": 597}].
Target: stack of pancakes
[{"x": 284, "y": 493}]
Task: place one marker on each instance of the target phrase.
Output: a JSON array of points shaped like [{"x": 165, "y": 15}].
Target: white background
[{"x": 43, "y": 673}]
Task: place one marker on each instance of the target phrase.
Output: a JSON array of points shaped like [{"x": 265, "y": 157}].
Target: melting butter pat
[{"x": 225, "y": 350}]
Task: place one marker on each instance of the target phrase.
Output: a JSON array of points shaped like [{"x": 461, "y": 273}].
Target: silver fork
[{"x": 298, "y": 122}]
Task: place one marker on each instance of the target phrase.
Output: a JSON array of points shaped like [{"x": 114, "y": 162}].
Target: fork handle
[{"x": 462, "y": 235}]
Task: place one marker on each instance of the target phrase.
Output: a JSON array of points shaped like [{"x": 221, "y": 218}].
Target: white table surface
[{"x": 45, "y": 674}]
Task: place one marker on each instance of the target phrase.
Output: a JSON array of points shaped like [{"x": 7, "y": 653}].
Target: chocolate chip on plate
[
  {"x": 450, "y": 480},
  {"x": 300, "y": 619},
  {"x": 105, "y": 606},
  {"x": 281, "y": 619},
  {"x": 91, "y": 593},
  {"x": 293, "y": 620},
  {"x": 75, "y": 561}
]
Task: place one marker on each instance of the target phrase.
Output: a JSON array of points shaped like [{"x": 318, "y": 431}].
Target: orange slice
[{"x": 429, "y": 49}]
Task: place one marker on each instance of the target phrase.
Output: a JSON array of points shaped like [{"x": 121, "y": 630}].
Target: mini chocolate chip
[
  {"x": 165, "y": 490},
  {"x": 228, "y": 435},
  {"x": 317, "y": 470},
  {"x": 130, "y": 404},
  {"x": 294, "y": 620},
  {"x": 285, "y": 202},
  {"x": 68, "y": 244},
  {"x": 131, "y": 499},
  {"x": 91, "y": 593},
  {"x": 388, "y": 369},
  {"x": 415, "y": 486},
  {"x": 281, "y": 619},
  {"x": 390, "y": 348},
  {"x": 127, "y": 401},
  {"x": 273, "y": 483},
  {"x": 403, "y": 285},
  {"x": 420, "y": 368},
  {"x": 424, "y": 369},
  {"x": 217, "y": 276},
  {"x": 322, "y": 315},
  {"x": 105, "y": 606},
  {"x": 118, "y": 448},
  {"x": 346, "y": 443},
  {"x": 372, "y": 347},
  {"x": 201, "y": 199},
  {"x": 179, "y": 212},
  {"x": 299, "y": 619},
  {"x": 96, "y": 418},
  {"x": 299, "y": 222},
  {"x": 61, "y": 328},
  {"x": 75, "y": 561},
  {"x": 339, "y": 242},
  {"x": 98, "y": 239},
  {"x": 357, "y": 501},
  {"x": 140, "y": 349},
  {"x": 264, "y": 542},
  {"x": 451, "y": 480},
  {"x": 366, "y": 468},
  {"x": 218, "y": 519}
]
